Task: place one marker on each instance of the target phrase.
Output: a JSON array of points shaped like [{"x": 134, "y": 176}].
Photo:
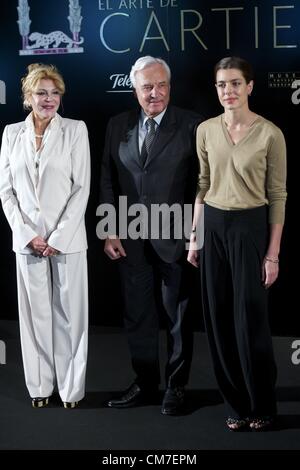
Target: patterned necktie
[{"x": 150, "y": 124}]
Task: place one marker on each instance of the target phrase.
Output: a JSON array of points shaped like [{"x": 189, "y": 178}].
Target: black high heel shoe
[{"x": 262, "y": 423}]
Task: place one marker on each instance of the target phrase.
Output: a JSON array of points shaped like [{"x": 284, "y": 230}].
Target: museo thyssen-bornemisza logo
[
  {"x": 54, "y": 42},
  {"x": 286, "y": 80}
]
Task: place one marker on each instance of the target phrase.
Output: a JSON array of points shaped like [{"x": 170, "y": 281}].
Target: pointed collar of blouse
[{"x": 54, "y": 123}]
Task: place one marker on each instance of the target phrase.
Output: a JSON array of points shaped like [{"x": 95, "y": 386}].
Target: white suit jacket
[{"x": 50, "y": 201}]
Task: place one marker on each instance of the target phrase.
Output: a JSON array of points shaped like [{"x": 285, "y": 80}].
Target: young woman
[{"x": 242, "y": 191}]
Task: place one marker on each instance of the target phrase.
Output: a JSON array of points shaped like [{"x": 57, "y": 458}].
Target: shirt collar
[{"x": 157, "y": 118}]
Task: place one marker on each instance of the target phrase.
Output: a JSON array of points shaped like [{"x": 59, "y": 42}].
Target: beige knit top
[{"x": 245, "y": 175}]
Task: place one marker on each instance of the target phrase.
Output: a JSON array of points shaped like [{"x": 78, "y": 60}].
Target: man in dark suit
[{"x": 150, "y": 158}]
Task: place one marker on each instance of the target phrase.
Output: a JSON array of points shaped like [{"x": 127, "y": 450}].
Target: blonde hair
[{"x": 37, "y": 72}]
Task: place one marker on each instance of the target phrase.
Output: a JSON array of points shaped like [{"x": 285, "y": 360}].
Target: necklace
[{"x": 39, "y": 136}]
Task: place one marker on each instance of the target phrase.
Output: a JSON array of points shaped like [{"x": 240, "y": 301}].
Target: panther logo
[{"x": 55, "y": 38}]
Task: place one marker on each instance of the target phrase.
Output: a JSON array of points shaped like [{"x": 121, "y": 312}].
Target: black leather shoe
[
  {"x": 39, "y": 402},
  {"x": 133, "y": 396},
  {"x": 173, "y": 401}
]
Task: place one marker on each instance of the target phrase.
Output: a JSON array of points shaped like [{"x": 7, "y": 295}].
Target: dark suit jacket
[{"x": 169, "y": 175}]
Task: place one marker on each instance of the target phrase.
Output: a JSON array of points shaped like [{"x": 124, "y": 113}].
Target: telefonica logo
[
  {"x": 120, "y": 83},
  {"x": 2, "y": 352},
  {"x": 2, "y": 92},
  {"x": 55, "y": 42}
]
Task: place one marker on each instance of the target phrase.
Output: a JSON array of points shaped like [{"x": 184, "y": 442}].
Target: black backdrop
[{"x": 191, "y": 35}]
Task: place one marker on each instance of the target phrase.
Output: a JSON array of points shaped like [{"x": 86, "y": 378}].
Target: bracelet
[
  {"x": 272, "y": 260},
  {"x": 193, "y": 233}
]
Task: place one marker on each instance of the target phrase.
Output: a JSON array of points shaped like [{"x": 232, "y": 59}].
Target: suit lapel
[
  {"x": 129, "y": 147},
  {"x": 53, "y": 138},
  {"x": 28, "y": 146}
]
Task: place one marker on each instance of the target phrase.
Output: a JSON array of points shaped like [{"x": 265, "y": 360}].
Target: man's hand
[
  {"x": 193, "y": 253},
  {"x": 113, "y": 248}
]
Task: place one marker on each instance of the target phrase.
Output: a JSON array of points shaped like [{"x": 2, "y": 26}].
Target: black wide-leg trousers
[
  {"x": 148, "y": 284},
  {"x": 236, "y": 310}
]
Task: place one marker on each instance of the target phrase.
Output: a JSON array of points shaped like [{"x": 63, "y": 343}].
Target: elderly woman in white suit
[{"x": 44, "y": 189}]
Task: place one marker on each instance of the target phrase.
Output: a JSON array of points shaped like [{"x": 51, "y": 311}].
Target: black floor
[{"x": 94, "y": 427}]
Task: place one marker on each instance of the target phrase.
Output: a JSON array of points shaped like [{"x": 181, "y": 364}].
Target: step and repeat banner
[{"x": 95, "y": 42}]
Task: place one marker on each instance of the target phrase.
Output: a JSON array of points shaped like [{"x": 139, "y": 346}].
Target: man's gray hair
[{"x": 144, "y": 62}]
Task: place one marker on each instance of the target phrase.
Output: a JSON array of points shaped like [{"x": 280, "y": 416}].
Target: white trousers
[{"x": 53, "y": 312}]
